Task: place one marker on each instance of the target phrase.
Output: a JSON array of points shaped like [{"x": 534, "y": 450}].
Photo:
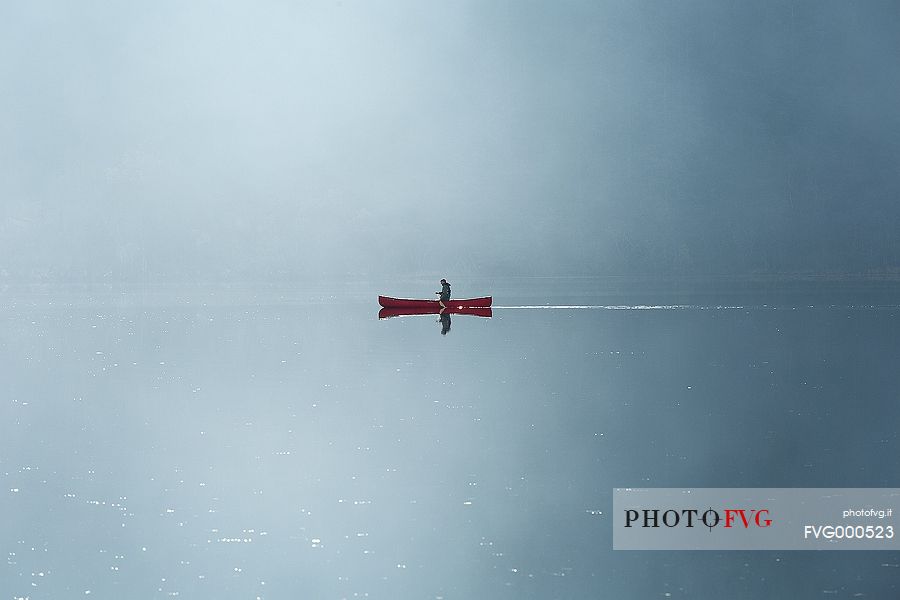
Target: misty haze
[{"x": 686, "y": 215}]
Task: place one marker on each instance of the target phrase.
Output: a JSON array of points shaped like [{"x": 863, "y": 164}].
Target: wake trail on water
[
  {"x": 617, "y": 307},
  {"x": 691, "y": 307}
]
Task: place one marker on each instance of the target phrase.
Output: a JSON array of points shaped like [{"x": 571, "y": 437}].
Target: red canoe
[
  {"x": 476, "y": 311},
  {"x": 453, "y": 303}
]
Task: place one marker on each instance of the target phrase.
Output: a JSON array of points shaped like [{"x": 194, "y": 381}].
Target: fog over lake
[
  {"x": 686, "y": 215},
  {"x": 274, "y": 140}
]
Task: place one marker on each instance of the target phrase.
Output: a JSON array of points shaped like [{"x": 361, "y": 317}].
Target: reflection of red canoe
[
  {"x": 476, "y": 311},
  {"x": 388, "y": 302}
]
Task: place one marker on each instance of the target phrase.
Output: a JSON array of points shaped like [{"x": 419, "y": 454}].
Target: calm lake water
[{"x": 285, "y": 443}]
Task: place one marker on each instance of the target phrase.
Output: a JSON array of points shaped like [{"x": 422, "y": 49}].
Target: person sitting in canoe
[{"x": 444, "y": 294}]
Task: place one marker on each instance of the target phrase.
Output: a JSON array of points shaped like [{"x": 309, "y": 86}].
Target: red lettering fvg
[{"x": 747, "y": 518}]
